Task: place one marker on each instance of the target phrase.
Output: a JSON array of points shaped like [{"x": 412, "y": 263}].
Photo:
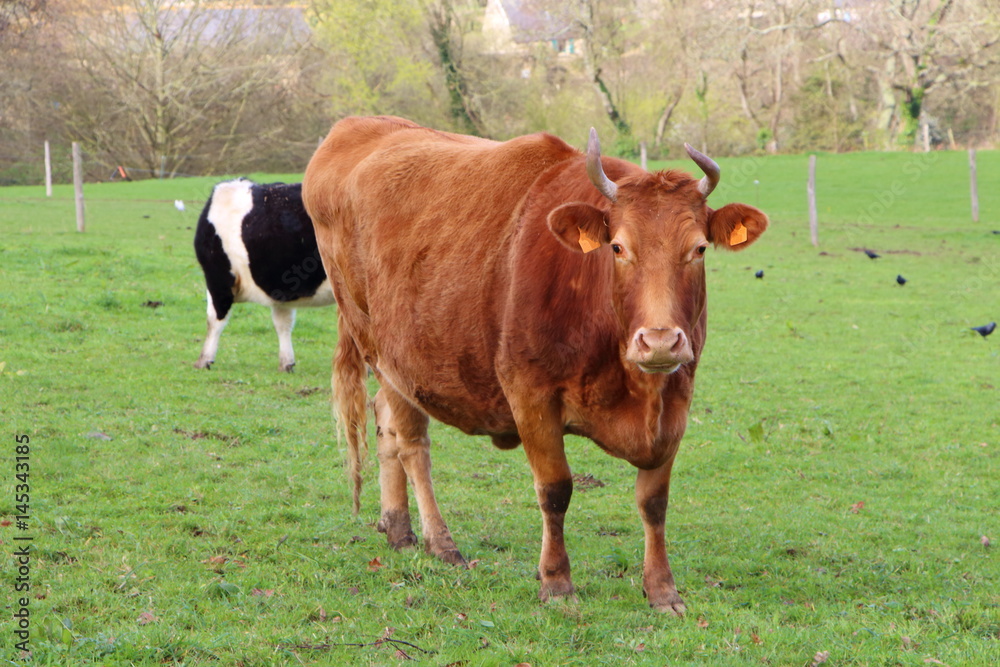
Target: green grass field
[{"x": 830, "y": 500}]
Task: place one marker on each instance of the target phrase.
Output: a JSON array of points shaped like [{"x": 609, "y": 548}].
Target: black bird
[
  {"x": 871, "y": 254},
  {"x": 986, "y": 329},
  {"x": 760, "y": 274},
  {"x": 900, "y": 280}
]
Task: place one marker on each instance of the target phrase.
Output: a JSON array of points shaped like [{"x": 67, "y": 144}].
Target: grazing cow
[
  {"x": 521, "y": 290},
  {"x": 256, "y": 243}
]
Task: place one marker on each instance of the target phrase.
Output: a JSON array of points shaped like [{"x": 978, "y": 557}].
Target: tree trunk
[
  {"x": 593, "y": 72},
  {"x": 440, "y": 18},
  {"x": 668, "y": 111}
]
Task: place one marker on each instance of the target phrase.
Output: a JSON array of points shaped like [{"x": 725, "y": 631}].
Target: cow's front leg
[
  {"x": 652, "y": 488},
  {"x": 414, "y": 453},
  {"x": 542, "y": 435}
]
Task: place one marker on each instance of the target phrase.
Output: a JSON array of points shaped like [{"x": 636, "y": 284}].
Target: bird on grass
[
  {"x": 760, "y": 274},
  {"x": 872, "y": 254},
  {"x": 986, "y": 329},
  {"x": 900, "y": 280}
]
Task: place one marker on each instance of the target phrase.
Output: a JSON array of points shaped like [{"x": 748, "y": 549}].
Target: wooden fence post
[
  {"x": 78, "y": 185},
  {"x": 973, "y": 188},
  {"x": 48, "y": 170},
  {"x": 811, "y": 191},
  {"x": 642, "y": 154}
]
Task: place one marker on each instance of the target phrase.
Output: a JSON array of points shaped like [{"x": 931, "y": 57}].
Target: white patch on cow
[{"x": 231, "y": 202}]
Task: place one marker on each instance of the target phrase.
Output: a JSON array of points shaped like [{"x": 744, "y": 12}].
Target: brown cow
[{"x": 521, "y": 290}]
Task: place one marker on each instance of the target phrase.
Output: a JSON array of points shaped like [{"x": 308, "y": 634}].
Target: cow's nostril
[
  {"x": 679, "y": 343},
  {"x": 641, "y": 343}
]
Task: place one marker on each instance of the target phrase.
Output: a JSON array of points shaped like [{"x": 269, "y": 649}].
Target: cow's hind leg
[
  {"x": 651, "y": 491},
  {"x": 395, "y": 520},
  {"x": 215, "y": 327},
  {"x": 409, "y": 428},
  {"x": 284, "y": 321}
]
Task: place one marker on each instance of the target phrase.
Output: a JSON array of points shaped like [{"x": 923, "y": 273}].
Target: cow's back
[{"x": 418, "y": 226}]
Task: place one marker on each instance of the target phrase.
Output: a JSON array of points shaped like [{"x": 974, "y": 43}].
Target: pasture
[{"x": 834, "y": 501}]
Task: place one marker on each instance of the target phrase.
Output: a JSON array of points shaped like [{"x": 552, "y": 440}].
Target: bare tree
[
  {"x": 26, "y": 58},
  {"x": 921, "y": 46},
  {"x": 180, "y": 86},
  {"x": 767, "y": 53}
]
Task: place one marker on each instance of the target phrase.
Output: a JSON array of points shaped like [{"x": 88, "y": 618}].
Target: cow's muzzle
[{"x": 659, "y": 350}]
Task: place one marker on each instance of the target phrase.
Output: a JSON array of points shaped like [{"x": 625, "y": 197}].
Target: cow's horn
[
  {"x": 595, "y": 171},
  {"x": 708, "y": 165}
]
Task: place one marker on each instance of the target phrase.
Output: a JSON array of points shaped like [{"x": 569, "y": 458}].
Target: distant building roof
[
  {"x": 540, "y": 21},
  {"x": 211, "y": 23}
]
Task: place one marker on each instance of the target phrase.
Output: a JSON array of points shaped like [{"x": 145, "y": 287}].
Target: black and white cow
[{"x": 256, "y": 243}]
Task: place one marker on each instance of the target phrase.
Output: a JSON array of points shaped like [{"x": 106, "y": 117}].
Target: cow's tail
[{"x": 350, "y": 397}]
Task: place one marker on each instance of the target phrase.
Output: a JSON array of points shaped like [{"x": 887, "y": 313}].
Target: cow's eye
[
  {"x": 701, "y": 249},
  {"x": 616, "y": 248}
]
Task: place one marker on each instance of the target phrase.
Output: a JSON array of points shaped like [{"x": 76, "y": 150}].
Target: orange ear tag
[
  {"x": 588, "y": 242},
  {"x": 739, "y": 235}
]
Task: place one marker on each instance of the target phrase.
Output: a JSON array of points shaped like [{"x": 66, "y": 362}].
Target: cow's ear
[
  {"x": 580, "y": 227},
  {"x": 735, "y": 226}
]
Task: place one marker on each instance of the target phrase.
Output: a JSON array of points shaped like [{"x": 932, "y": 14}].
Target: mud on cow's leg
[
  {"x": 413, "y": 452},
  {"x": 395, "y": 519},
  {"x": 541, "y": 433},
  {"x": 652, "y": 489}
]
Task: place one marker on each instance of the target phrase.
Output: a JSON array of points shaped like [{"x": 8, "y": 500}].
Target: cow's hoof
[
  {"x": 406, "y": 541},
  {"x": 396, "y": 526},
  {"x": 207, "y": 365},
  {"x": 453, "y": 557},
  {"x": 670, "y": 604},
  {"x": 675, "y": 608},
  {"x": 557, "y": 590},
  {"x": 288, "y": 368}
]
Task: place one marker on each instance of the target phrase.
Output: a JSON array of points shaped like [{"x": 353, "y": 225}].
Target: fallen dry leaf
[
  {"x": 933, "y": 661},
  {"x": 145, "y": 618},
  {"x": 702, "y": 623},
  {"x": 640, "y": 648},
  {"x": 755, "y": 638},
  {"x": 857, "y": 507},
  {"x": 375, "y": 564},
  {"x": 985, "y": 541},
  {"x": 5, "y": 523},
  {"x": 820, "y": 658},
  {"x": 258, "y": 592}
]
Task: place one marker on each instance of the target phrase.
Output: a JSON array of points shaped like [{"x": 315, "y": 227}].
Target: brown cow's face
[
  {"x": 659, "y": 253},
  {"x": 657, "y": 232}
]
